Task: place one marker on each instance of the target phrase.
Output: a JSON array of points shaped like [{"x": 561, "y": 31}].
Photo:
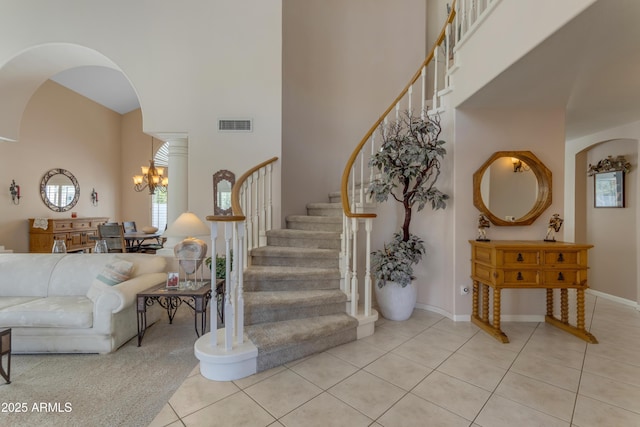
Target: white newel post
[
  {"x": 368, "y": 224},
  {"x": 228, "y": 308},
  {"x": 240, "y": 285},
  {"x": 214, "y": 295}
]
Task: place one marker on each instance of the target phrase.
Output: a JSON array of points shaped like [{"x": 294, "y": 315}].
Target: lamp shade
[{"x": 187, "y": 225}]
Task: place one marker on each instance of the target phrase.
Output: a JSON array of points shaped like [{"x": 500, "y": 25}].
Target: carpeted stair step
[
  {"x": 304, "y": 239},
  {"x": 325, "y": 209},
  {"x": 267, "y": 278},
  {"x": 276, "y": 306},
  {"x": 282, "y": 342},
  {"x": 316, "y": 223},
  {"x": 295, "y": 257}
]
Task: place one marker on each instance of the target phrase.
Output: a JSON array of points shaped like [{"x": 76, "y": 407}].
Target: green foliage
[
  {"x": 408, "y": 167},
  {"x": 394, "y": 262},
  {"x": 221, "y": 267}
]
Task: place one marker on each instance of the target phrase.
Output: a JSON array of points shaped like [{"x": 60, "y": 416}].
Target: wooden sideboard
[
  {"x": 524, "y": 264},
  {"x": 77, "y": 234}
]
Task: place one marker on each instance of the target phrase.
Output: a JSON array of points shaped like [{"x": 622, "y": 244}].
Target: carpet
[{"x": 126, "y": 388}]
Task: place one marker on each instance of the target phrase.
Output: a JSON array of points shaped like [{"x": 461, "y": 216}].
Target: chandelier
[{"x": 152, "y": 177}]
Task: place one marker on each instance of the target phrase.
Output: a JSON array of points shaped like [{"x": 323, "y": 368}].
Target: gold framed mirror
[
  {"x": 223, "y": 182},
  {"x": 59, "y": 190},
  {"x": 512, "y": 188}
]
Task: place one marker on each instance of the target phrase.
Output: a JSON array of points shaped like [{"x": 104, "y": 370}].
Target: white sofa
[{"x": 56, "y": 303}]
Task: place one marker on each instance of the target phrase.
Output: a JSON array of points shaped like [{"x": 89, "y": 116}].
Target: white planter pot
[{"x": 396, "y": 302}]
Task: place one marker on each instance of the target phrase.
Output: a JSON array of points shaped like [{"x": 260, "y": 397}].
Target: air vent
[{"x": 237, "y": 125}]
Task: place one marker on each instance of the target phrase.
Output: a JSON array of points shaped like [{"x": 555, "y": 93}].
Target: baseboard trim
[{"x": 614, "y": 298}]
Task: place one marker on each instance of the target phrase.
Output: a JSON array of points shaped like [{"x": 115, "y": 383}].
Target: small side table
[
  {"x": 171, "y": 299},
  {"x": 5, "y": 350}
]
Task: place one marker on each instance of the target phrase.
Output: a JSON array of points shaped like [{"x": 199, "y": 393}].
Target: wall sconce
[
  {"x": 14, "y": 189},
  {"x": 94, "y": 197},
  {"x": 519, "y": 165}
]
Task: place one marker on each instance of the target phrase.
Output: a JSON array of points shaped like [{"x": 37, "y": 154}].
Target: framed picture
[
  {"x": 172, "y": 280},
  {"x": 608, "y": 189}
]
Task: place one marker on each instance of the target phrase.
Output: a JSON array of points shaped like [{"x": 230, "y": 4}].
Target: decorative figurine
[
  {"x": 483, "y": 224},
  {"x": 554, "y": 226}
]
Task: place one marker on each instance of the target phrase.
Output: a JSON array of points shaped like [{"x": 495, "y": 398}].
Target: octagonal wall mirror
[
  {"x": 512, "y": 188},
  {"x": 223, "y": 181},
  {"x": 59, "y": 190}
]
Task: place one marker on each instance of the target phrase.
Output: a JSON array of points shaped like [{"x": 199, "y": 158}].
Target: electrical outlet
[{"x": 464, "y": 290}]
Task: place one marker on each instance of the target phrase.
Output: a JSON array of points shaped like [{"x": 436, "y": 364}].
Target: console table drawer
[
  {"x": 521, "y": 277},
  {"x": 561, "y": 277},
  {"x": 561, "y": 257},
  {"x": 521, "y": 258},
  {"x": 62, "y": 225}
]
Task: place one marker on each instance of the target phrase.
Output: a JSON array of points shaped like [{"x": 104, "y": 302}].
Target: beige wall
[
  {"x": 60, "y": 129},
  {"x": 480, "y": 133},
  {"x": 343, "y": 64}
]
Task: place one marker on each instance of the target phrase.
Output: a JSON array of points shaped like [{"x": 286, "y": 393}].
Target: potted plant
[{"x": 408, "y": 165}]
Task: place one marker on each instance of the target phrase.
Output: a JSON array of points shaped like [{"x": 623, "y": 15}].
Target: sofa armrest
[{"x": 116, "y": 298}]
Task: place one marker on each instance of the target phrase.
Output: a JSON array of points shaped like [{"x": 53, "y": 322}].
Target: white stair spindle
[
  {"x": 353, "y": 188},
  {"x": 262, "y": 191},
  {"x": 435, "y": 81},
  {"x": 410, "y": 93},
  {"x": 398, "y": 111},
  {"x": 346, "y": 230},
  {"x": 362, "y": 166},
  {"x": 269, "y": 201},
  {"x": 228, "y": 307},
  {"x": 247, "y": 211},
  {"x": 368, "y": 224},
  {"x": 256, "y": 206},
  {"x": 423, "y": 97},
  {"x": 214, "y": 297},
  {"x": 354, "y": 273}
]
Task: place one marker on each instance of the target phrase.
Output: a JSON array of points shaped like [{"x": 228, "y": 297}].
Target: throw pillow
[{"x": 115, "y": 272}]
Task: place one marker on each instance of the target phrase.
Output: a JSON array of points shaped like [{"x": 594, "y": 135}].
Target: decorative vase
[{"x": 396, "y": 302}]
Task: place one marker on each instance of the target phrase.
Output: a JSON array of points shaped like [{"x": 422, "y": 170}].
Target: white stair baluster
[
  {"x": 214, "y": 297},
  {"x": 354, "y": 274},
  {"x": 368, "y": 224}
]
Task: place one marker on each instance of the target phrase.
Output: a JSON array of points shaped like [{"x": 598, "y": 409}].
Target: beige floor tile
[
  {"x": 385, "y": 339},
  {"x": 367, "y": 393},
  {"x": 624, "y": 396},
  {"x": 538, "y": 395},
  {"x": 282, "y": 392},
  {"x": 535, "y": 367},
  {"x": 442, "y": 339},
  {"x": 465, "y": 329},
  {"x": 324, "y": 370},
  {"x": 501, "y": 412},
  {"x": 593, "y": 413},
  {"x": 490, "y": 351},
  {"x": 552, "y": 351},
  {"x": 472, "y": 371},
  {"x": 276, "y": 424},
  {"x": 612, "y": 369},
  {"x": 423, "y": 353},
  {"x": 197, "y": 392},
  {"x": 615, "y": 352},
  {"x": 325, "y": 411},
  {"x": 398, "y": 371},
  {"x": 256, "y": 378},
  {"x": 237, "y": 410},
  {"x": 411, "y": 411},
  {"x": 357, "y": 353},
  {"x": 165, "y": 417},
  {"x": 455, "y": 395}
]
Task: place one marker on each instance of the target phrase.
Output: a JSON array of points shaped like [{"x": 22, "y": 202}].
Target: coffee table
[{"x": 171, "y": 299}]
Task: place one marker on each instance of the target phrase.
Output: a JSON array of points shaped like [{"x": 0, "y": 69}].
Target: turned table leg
[
  {"x": 496, "y": 309},
  {"x": 549, "y": 302},
  {"x": 485, "y": 303},
  {"x": 580, "y": 309},
  {"x": 475, "y": 298},
  {"x": 564, "y": 305}
]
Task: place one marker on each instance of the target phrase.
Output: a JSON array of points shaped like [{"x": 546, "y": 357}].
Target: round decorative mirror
[
  {"x": 512, "y": 188},
  {"x": 59, "y": 190},
  {"x": 223, "y": 181}
]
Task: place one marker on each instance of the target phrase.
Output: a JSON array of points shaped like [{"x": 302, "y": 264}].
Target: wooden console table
[
  {"x": 524, "y": 264},
  {"x": 78, "y": 234}
]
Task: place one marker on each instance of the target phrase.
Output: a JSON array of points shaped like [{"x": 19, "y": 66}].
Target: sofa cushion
[
  {"x": 11, "y": 301},
  {"x": 50, "y": 312},
  {"x": 115, "y": 272},
  {"x": 24, "y": 275}
]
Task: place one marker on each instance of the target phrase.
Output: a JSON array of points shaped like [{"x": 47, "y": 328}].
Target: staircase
[{"x": 294, "y": 306}]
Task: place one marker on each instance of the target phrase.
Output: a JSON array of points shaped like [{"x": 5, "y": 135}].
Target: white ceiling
[{"x": 103, "y": 85}]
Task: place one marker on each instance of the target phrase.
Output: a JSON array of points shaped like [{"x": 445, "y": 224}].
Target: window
[{"x": 159, "y": 200}]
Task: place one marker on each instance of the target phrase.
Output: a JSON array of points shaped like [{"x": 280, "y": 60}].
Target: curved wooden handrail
[
  {"x": 344, "y": 187},
  {"x": 238, "y": 215}
]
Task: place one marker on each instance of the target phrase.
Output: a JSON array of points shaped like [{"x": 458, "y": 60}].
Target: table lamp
[{"x": 191, "y": 251}]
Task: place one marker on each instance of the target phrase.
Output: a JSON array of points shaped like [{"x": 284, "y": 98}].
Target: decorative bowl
[{"x": 149, "y": 229}]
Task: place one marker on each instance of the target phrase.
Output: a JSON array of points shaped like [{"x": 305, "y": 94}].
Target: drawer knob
[
  {"x": 519, "y": 277},
  {"x": 520, "y": 258},
  {"x": 560, "y": 276},
  {"x": 560, "y": 257}
]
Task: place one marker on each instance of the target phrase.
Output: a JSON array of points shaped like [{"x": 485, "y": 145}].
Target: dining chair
[{"x": 114, "y": 235}]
